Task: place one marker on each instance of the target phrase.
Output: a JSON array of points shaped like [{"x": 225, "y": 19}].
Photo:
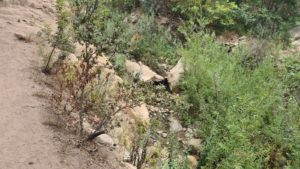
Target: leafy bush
[
  {"x": 292, "y": 75},
  {"x": 152, "y": 42},
  {"x": 112, "y": 32},
  {"x": 218, "y": 13},
  {"x": 173, "y": 161},
  {"x": 241, "y": 113},
  {"x": 273, "y": 16},
  {"x": 144, "y": 40},
  {"x": 63, "y": 38},
  {"x": 124, "y": 5},
  {"x": 260, "y": 18}
]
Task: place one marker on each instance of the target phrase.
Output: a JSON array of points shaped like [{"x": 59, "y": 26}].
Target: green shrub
[
  {"x": 218, "y": 13},
  {"x": 240, "y": 113},
  {"x": 260, "y": 18},
  {"x": 291, "y": 76},
  {"x": 268, "y": 19},
  {"x": 145, "y": 40},
  {"x": 149, "y": 41},
  {"x": 123, "y": 5}
]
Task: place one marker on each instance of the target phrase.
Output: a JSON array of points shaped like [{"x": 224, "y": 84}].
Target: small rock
[
  {"x": 22, "y": 37},
  {"x": 72, "y": 59},
  {"x": 189, "y": 130},
  {"x": 175, "y": 126},
  {"x": 87, "y": 127},
  {"x": 163, "y": 20},
  {"x": 160, "y": 132},
  {"x": 36, "y": 6},
  {"x": 102, "y": 61},
  {"x": 165, "y": 135},
  {"x": 129, "y": 166},
  {"x": 195, "y": 144},
  {"x": 193, "y": 161},
  {"x": 164, "y": 154},
  {"x": 106, "y": 139},
  {"x": 295, "y": 33},
  {"x": 126, "y": 156}
]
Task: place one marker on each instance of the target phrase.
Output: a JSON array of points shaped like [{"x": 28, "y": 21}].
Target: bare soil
[{"x": 26, "y": 142}]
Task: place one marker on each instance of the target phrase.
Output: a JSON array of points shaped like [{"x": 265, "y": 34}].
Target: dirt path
[{"x": 25, "y": 142}]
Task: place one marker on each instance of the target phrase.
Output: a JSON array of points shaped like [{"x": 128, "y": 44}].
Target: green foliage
[
  {"x": 119, "y": 64},
  {"x": 113, "y": 36},
  {"x": 63, "y": 38},
  {"x": 291, "y": 76},
  {"x": 152, "y": 42},
  {"x": 123, "y": 5},
  {"x": 241, "y": 113},
  {"x": 272, "y": 15},
  {"x": 218, "y": 13},
  {"x": 261, "y": 18},
  {"x": 85, "y": 19},
  {"x": 145, "y": 40},
  {"x": 111, "y": 31},
  {"x": 173, "y": 161}
]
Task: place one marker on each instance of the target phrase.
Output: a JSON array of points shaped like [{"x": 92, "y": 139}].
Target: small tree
[{"x": 63, "y": 37}]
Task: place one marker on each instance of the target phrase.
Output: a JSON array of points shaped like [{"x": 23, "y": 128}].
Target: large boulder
[
  {"x": 175, "y": 75},
  {"x": 143, "y": 72}
]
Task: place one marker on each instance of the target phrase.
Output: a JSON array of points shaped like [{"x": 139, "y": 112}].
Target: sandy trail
[{"x": 26, "y": 143}]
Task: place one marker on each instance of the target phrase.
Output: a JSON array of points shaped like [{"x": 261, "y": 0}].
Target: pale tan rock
[
  {"x": 79, "y": 48},
  {"x": 195, "y": 143},
  {"x": 140, "y": 113},
  {"x": 132, "y": 68},
  {"x": 129, "y": 166},
  {"x": 175, "y": 75},
  {"x": 295, "y": 33},
  {"x": 106, "y": 139},
  {"x": 193, "y": 161},
  {"x": 296, "y": 44},
  {"x": 144, "y": 73},
  {"x": 148, "y": 75},
  {"x": 103, "y": 61},
  {"x": 72, "y": 59},
  {"x": 163, "y": 20},
  {"x": 87, "y": 127},
  {"x": 175, "y": 125}
]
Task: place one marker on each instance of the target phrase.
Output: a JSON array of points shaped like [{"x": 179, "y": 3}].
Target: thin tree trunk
[
  {"x": 46, "y": 69},
  {"x": 81, "y": 113}
]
